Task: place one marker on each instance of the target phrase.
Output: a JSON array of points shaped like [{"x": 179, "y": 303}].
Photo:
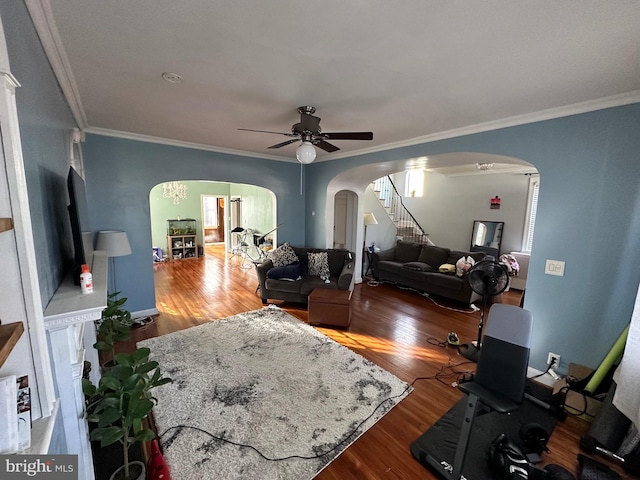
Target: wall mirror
[{"x": 487, "y": 237}]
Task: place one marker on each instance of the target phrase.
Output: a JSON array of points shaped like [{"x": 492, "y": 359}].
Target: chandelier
[
  {"x": 175, "y": 190},
  {"x": 485, "y": 166}
]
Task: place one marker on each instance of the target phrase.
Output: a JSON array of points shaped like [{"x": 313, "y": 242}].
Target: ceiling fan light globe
[{"x": 306, "y": 153}]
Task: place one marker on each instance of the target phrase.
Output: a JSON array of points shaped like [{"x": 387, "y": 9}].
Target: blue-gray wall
[
  {"x": 45, "y": 128},
  {"x": 121, "y": 173},
  {"x": 588, "y": 216},
  {"x": 589, "y": 210}
]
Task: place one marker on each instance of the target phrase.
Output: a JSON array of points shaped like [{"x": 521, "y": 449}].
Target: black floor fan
[{"x": 487, "y": 278}]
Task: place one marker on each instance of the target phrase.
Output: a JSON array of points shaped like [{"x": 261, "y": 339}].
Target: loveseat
[
  {"x": 281, "y": 277},
  {"x": 418, "y": 266}
]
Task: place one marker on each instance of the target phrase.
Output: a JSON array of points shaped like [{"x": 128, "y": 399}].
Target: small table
[{"x": 330, "y": 307}]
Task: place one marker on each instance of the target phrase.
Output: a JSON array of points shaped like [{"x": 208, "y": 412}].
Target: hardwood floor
[{"x": 397, "y": 329}]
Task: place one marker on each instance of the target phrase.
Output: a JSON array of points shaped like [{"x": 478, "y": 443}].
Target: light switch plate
[{"x": 554, "y": 267}]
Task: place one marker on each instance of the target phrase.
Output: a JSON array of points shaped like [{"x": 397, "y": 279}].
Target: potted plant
[
  {"x": 120, "y": 403},
  {"x": 114, "y": 326}
]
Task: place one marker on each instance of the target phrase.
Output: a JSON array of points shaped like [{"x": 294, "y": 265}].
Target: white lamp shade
[
  {"x": 114, "y": 243},
  {"x": 370, "y": 219},
  {"x": 306, "y": 153}
]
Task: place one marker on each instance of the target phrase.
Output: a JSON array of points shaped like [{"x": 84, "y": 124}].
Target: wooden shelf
[
  {"x": 6, "y": 224},
  {"x": 9, "y": 336}
]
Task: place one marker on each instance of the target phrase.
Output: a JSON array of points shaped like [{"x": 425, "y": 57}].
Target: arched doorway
[{"x": 345, "y": 209}]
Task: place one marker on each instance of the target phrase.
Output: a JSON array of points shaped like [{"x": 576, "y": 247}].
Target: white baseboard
[{"x": 145, "y": 313}]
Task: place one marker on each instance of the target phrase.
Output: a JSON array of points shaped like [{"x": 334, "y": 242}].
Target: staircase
[{"x": 407, "y": 228}]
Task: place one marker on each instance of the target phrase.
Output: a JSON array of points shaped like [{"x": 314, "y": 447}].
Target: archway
[
  {"x": 458, "y": 169},
  {"x": 255, "y": 210}
]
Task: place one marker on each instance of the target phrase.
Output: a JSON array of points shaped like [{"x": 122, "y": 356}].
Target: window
[
  {"x": 481, "y": 234},
  {"x": 532, "y": 209},
  {"x": 414, "y": 183},
  {"x": 209, "y": 211}
]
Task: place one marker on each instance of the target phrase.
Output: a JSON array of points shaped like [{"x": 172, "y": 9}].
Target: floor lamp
[
  {"x": 115, "y": 244},
  {"x": 369, "y": 219}
]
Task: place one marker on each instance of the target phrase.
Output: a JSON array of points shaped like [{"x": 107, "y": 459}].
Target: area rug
[{"x": 285, "y": 398}]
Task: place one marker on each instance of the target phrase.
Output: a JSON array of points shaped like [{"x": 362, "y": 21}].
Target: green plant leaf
[
  {"x": 137, "y": 425},
  {"x": 124, "y": 359},
  {"x": 132, "y": 382},
  {"x": 88, "y": 388},
  {"x": 101, "y": 345},
  {"x": 145, "y": 435},
  {"x": 141, "y": 354},
  {"x": 109, "y": 416},
  {"x": 107, "y": 435},
  {"x": 121, "y": 372},
  {"x": 140, "y": 408},
  {"x": 110, "y": 401},
  {"x": 109, "y": 382},
  {"x": 147, "y": 367}
]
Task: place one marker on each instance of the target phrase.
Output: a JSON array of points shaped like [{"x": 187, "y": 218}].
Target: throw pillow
[
  {"x": 463, "y": 265},
  {"x": 319, "y": 265},
  {"x": 283, "y": 255},
  {"x": 447, "y": 268},
  {"x": 434, "y": 256},
  {"x": 407, "y": 251},
  {"x": 292, "y": 272},
  {"x": 417, "y": 266}
]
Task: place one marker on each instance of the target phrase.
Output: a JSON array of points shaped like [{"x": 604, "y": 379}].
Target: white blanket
[{"x": 627, "y": 377}]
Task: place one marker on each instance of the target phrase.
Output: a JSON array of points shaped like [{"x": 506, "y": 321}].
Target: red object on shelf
[{"x": 157, "y": 468}]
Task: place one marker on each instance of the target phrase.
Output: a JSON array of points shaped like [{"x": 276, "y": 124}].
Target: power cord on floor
[
  {"x": 472, "y": 308},
  {"x": 449, "y": 370},
  {"x": 301, "y": 457},
  {"x": 549, "y": 366}
]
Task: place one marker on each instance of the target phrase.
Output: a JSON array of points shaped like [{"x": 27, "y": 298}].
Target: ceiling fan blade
[
  {"x": 348, "y": 135},
  {"x": 278, "y": 145},
  {"x": 309, "y": 123},
  {"x": 267, "y": 131},
  {"x": 326, "y": 146}
]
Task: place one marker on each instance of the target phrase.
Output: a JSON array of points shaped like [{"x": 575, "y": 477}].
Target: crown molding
[
  {"x": 178, "y": 143},
  {"x": 42, "y": 17},
  {"x": 549, "y": 114}
]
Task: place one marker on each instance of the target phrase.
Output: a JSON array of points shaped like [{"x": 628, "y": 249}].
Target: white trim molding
[
  {"x": 29, "y": 303},
  {"x": 42, "y": 17}
]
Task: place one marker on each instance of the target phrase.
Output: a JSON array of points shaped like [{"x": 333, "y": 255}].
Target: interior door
[
  {"x": 340, "y": 220},
  {"x": 212, "y": 219}
]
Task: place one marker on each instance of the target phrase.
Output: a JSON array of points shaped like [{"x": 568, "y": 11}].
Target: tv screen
[{"x": 79, "y": 218}]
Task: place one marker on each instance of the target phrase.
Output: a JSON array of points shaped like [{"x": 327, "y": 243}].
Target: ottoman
[{"x": 330, "y": 307}]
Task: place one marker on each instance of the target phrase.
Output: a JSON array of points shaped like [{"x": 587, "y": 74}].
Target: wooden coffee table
[{"x": 330, "y": 307}]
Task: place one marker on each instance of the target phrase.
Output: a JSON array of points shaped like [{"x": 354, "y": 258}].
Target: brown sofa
[
  {"x": 417, "y": 266},
  {"x": 341, "y": 266}
]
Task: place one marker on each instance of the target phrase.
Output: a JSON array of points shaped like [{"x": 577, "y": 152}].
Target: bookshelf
[{"x": 9, "y": 335}]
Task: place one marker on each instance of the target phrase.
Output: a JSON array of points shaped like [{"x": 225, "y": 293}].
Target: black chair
[{"x": 499, "y": 382}]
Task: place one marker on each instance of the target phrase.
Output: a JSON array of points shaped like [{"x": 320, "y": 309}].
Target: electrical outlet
[{"x": 551, "y": 357}]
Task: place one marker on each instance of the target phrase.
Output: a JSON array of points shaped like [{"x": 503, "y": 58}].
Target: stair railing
[{"x": 407, "y": 227}]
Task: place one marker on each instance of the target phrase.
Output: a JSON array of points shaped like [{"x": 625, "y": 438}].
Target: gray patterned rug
[{"x": 266, "y": 380}]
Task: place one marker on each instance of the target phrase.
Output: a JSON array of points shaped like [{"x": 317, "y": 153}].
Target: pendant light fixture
[{"x": 306, "y": 153}]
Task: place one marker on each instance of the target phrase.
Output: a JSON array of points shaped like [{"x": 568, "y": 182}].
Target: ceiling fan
[{"x": 308, "y": 131}]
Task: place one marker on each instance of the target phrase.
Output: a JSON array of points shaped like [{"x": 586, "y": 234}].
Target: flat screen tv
[{"x": 79, "y": 218}]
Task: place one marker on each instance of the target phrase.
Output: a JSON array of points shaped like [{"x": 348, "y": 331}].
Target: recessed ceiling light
[{"x": 172, "y": 77}]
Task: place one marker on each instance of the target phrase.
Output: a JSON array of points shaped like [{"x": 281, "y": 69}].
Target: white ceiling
[{"x": 409, "y": 71}]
